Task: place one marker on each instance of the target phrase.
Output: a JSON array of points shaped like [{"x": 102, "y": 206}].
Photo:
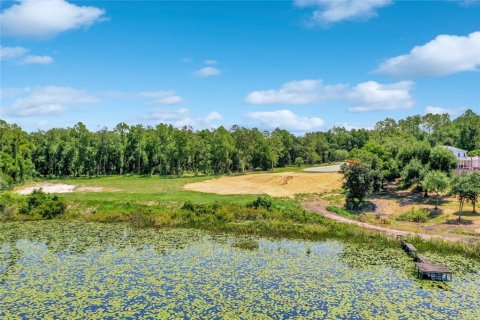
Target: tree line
[{"x": 387, "y": 149}]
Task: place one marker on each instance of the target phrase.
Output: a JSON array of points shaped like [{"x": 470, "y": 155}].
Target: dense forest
[{"x": 164, "y": 150}]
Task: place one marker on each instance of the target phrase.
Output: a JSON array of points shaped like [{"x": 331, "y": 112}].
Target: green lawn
[{"x": 125, "y": 193}]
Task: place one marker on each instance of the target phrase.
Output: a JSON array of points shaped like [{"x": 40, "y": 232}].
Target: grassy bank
[{"x": 160, "y": 203}]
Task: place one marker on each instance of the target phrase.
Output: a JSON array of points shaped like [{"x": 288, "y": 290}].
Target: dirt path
[{"x": 320, "y": 207}]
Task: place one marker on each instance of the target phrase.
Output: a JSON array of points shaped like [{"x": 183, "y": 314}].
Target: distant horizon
[{"x": 299, "y": 65}]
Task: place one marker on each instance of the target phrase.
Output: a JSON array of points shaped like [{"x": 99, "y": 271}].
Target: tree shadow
[
  {"x": 468, "y": 214},
  {"x": 462, "y": 222}
]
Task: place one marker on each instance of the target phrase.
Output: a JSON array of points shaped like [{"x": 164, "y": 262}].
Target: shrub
[
  {"x": 299, "y": 161},
  {"x": 264, "y": 202},
  {"x": 142, "y": 219},
  {"x": 201, "y": 209},
  {"x": 45, "y": 205},
  {"x": 414, "y": 215},
  {"x": 5, "y": 182}
]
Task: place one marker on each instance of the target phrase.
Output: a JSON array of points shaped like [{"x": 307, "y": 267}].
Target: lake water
[{"x": 80, "y": 270}]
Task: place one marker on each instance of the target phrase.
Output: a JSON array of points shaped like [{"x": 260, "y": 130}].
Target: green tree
[
  {"x": 413, "y": 173},
  {"x": 358, "y": 182},
  {"x": 435, "y": 181},
  {"x": 443, "y": 160},
  {"x": 465, "y": 187}
]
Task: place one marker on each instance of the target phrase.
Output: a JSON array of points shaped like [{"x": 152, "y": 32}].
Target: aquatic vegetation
[{"x": 80, "y": 270}]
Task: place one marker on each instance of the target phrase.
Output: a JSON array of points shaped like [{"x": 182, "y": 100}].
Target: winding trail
[{"x": 320, "y": 207}]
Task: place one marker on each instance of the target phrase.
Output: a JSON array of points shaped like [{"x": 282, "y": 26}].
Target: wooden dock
[
  {"x": 409, "y": 248},
  {"x": 428, "y": 270},
  {"x": 424, "y": 269}
]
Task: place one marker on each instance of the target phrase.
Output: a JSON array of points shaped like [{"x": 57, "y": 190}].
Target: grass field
[{"x": 158, "y": 201}]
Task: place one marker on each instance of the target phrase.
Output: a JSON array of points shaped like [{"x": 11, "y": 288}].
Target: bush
[
  {"x": 264, "y": 202},
  {"x": 299, "y": 161},
  {"x": 5, "y": 182},
  {"x": 414, "y": 215},
  {"x": 45, "y": 205}
]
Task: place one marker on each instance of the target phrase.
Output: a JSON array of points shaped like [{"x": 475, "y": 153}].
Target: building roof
[
  {"x": 454, "y": 149},
  {"x": 457, "y": 152}
]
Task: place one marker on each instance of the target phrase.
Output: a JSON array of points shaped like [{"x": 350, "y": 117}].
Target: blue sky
[{"x": 302, "y": 65}]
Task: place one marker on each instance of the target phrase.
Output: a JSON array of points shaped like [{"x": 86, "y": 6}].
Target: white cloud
[
  {"x": 286, "y": 119},
  {"x": 211, "y": 62},
  {"x": 48, "y": 100},
  {"x": 163, "y": 97},
  {"x": 38, "y": 59},
  {"x": 46, "y": 18},
  {"x": 330, "y": 11},
  {"x": 439, "y": 110},
  {"x": 446, "y": 54},
  {"x": 17, "y": 53},
  {"x": 374, "y": 96},
  {"x": 212, "y": 117},
  {"x": 366, "y": 96},
  {"x": 183, "y": 117},
  {"x": 296, "y": 92},
  {"x": 12, "y": 52},
  {"x": 207, "y": 72}
]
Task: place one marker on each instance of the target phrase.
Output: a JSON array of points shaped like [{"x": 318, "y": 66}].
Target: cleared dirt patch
[
  {"x": 286, "y": 184},
  {"x": 57, "y": 188}
]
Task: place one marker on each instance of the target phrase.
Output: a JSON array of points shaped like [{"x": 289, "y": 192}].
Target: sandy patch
[
  {"x": 332, "y": 168},
  {"x": 286, "y": 184},
  {"x": 56, "y": 188}
]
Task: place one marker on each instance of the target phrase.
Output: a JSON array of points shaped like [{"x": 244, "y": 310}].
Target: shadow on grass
[
  {"x": 468, "y": 214},
  {"x": 456, "y": 222}
]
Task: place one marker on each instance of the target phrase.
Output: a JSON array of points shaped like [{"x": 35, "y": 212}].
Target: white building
[{"x": 464, "y": 162}]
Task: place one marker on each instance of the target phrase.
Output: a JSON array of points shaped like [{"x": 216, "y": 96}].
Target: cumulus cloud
[
  {"x": 366, "y": 96},
  {"x": 207, "y": 72},
  {"x": 163, "y": 97},
  {"x": 46, "y": 18},
  {"x": 212, "y": 117},
  {"x": 374, "y": 96},
  {"x": 48, "y": 100},
  {"x": 446, "y": 54},
  {"x": 38, "y": 59},
  {"x": 439, "y": 110},
  {"x": 286, "y": 119},
  {"x": 182, "y": 117},
  {"x": 328, "y": 11},
  {"x": 12, "y": 52},
  {"x": 296, "y": 92}
]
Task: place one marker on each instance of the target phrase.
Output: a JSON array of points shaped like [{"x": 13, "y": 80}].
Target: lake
[{"x": 80, "y": 270}]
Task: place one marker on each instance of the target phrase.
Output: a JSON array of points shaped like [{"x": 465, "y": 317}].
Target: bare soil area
[
  {"x": 286, "y": 184},
  {"x": 56, "y": 188}
]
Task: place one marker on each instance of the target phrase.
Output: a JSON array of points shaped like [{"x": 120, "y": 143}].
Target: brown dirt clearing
[{"x": 286, "y": 184}]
